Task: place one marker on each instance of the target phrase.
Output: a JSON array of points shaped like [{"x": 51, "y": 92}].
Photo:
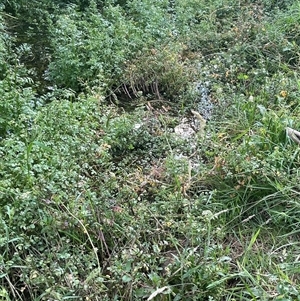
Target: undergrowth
[{"x": 101, "y": 196}]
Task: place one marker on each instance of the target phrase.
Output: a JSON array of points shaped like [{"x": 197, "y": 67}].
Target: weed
[{"x": 103, "y": 203}]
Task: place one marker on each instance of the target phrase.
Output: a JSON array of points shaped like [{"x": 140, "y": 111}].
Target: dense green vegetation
[{"x": 101, "y": 198}]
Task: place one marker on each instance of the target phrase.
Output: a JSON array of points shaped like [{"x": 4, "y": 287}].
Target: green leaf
[{"x": 126, "y": 278}]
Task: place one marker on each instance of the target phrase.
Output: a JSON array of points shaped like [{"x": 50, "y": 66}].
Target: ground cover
[{"x": 102, "y": 196}]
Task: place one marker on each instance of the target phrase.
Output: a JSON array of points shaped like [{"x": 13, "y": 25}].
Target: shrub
[
  {"x": 92, "y": 50},
  {"x": 159, "y": 72}
]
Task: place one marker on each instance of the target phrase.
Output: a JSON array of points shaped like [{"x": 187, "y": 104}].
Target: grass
[{"x": 103, "y": 203}]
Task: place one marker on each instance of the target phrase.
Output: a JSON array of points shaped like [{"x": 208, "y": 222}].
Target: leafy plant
[{"x": 101, "y": 198}]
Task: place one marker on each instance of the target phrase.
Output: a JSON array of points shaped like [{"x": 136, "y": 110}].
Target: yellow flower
[
  {"x": 168, "y": 224},
  {"x": 283, "y": 93}
]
